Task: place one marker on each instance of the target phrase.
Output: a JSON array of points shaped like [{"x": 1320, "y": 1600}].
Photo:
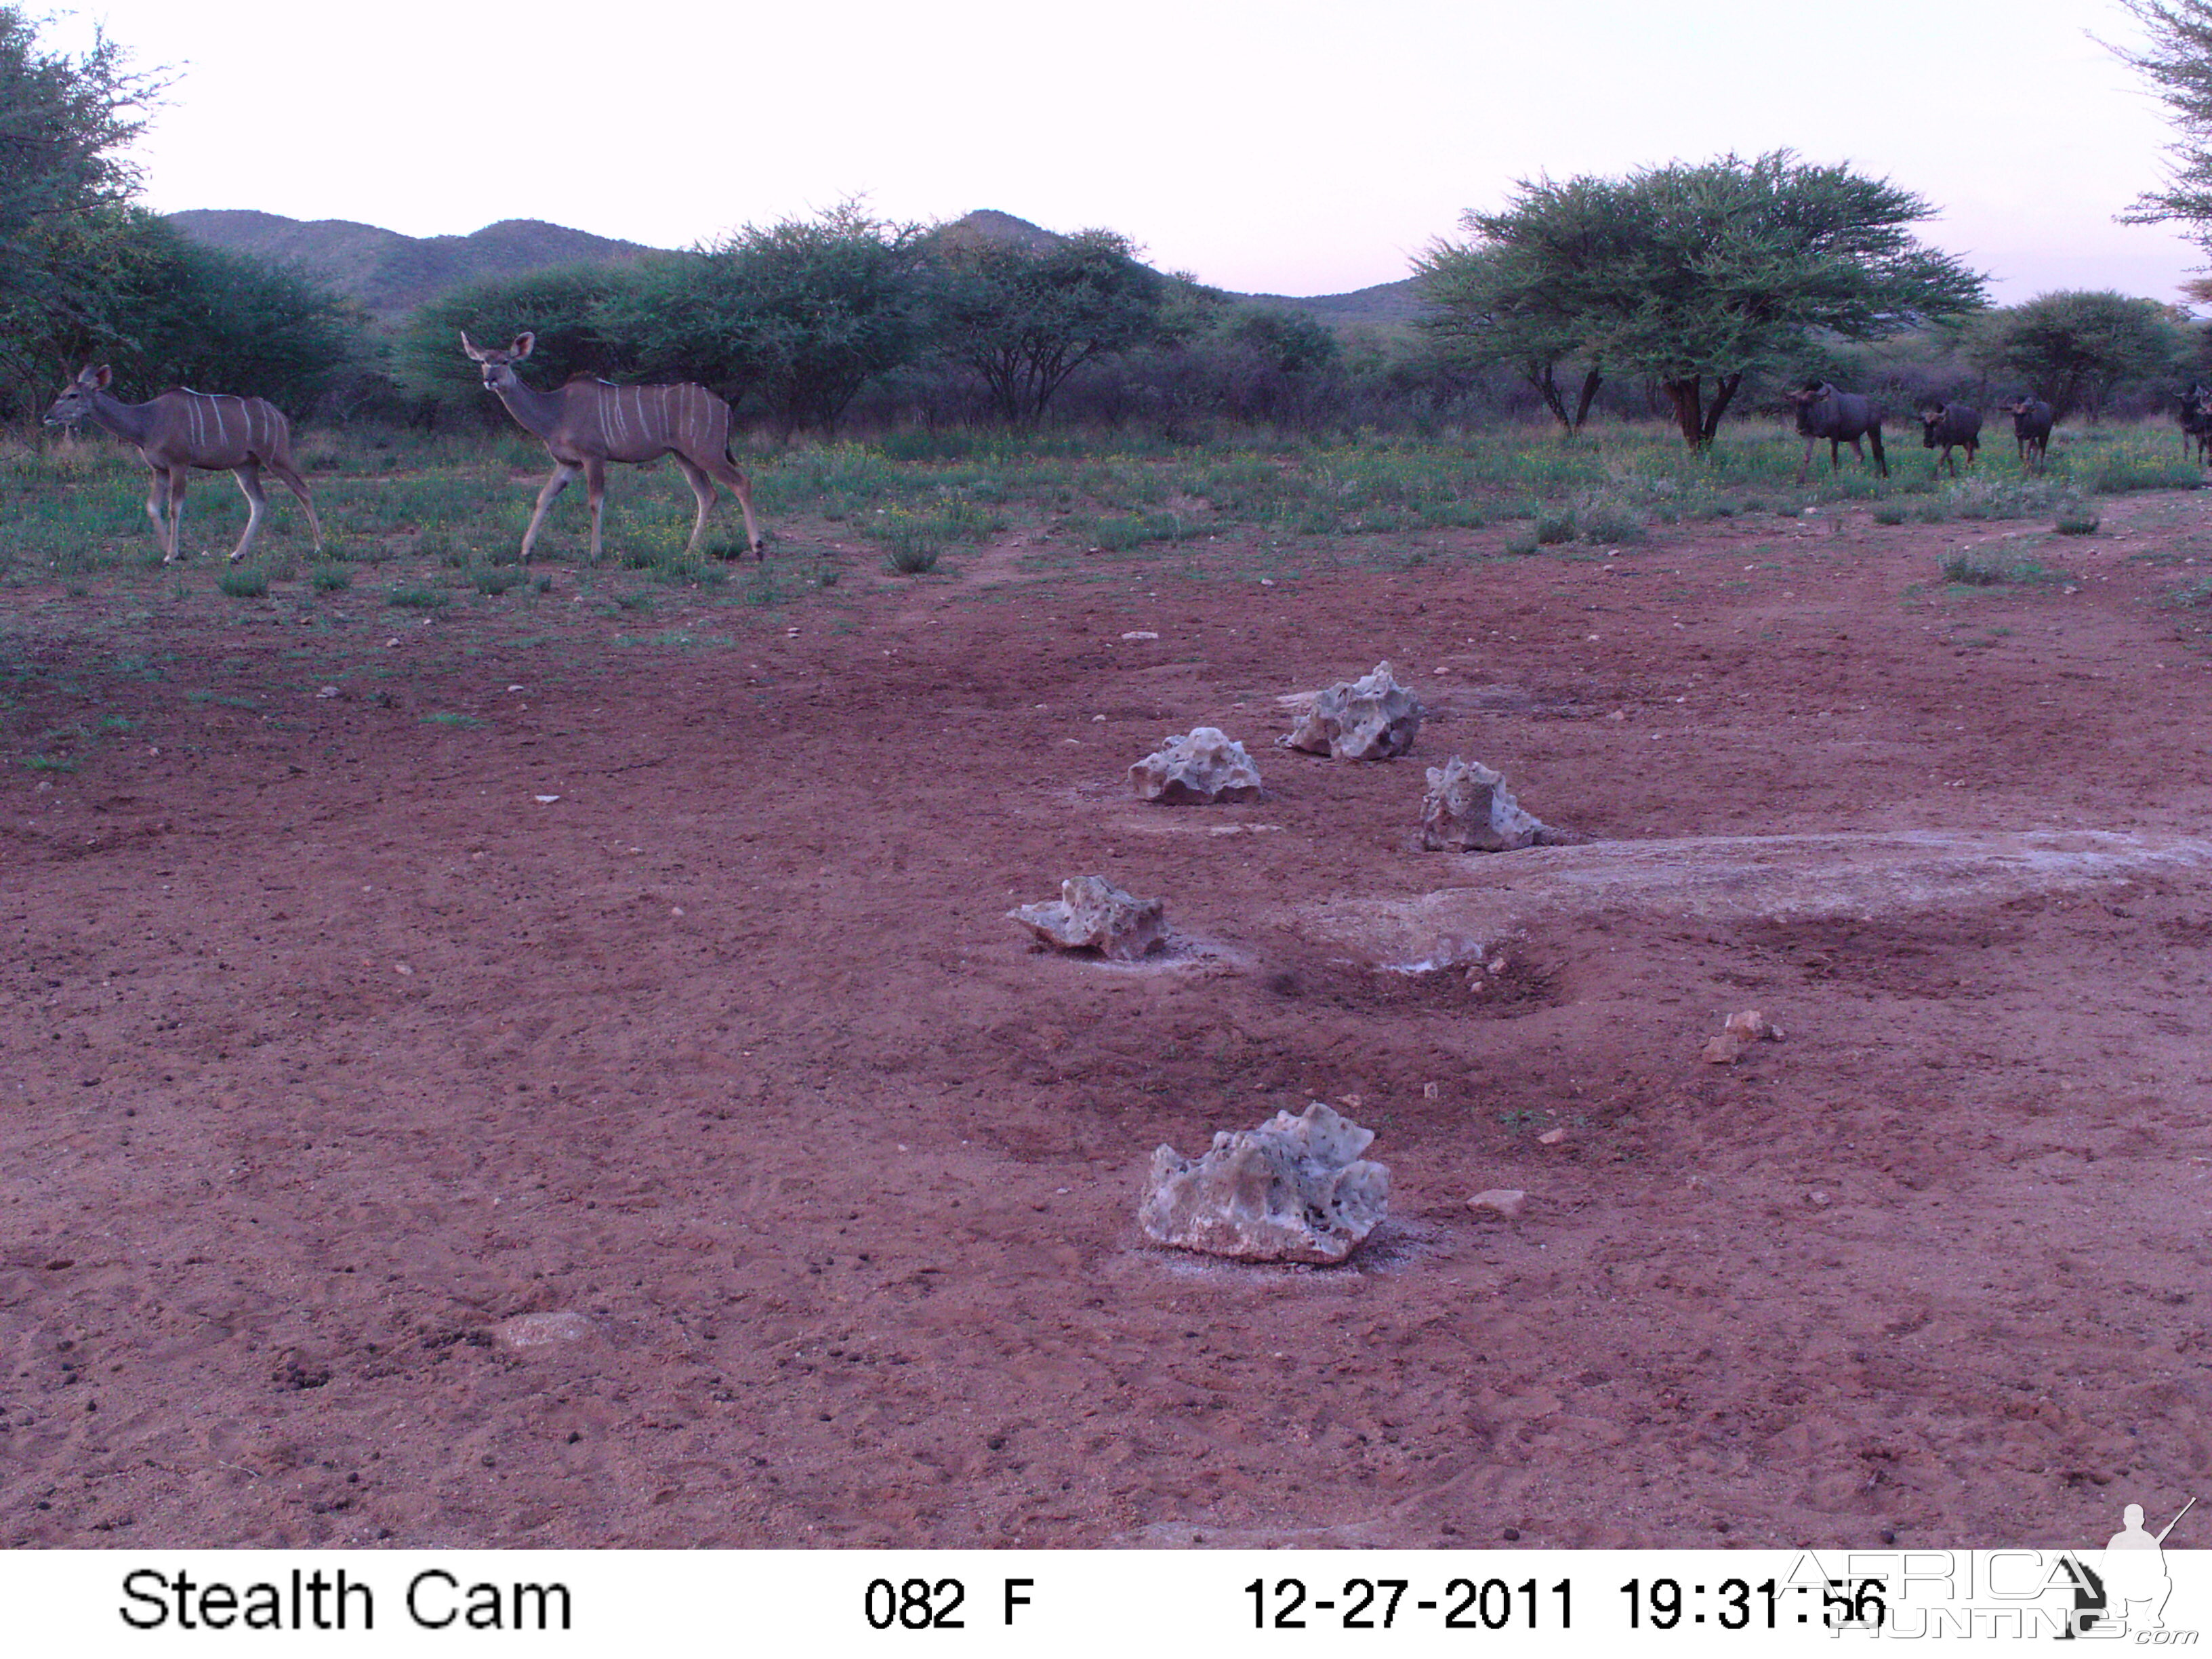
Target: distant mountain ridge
[{"x": 392, "y": 273}]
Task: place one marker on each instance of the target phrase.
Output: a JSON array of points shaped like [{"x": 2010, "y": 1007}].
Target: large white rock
[
  {"x": 1468, "y": 809},
  {"x": 1205, "y": 765},
  {"x": 1294, "y": 1189},
  {"x": 1371, "y": 718},
  {"x": 1092, "y": 913}
]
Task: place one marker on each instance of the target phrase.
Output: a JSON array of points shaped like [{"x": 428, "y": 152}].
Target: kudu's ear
[
  {"x": 471, "y": 350},
  {"x": 524, "y": 343},
  {"x": 96, "y": 378}
]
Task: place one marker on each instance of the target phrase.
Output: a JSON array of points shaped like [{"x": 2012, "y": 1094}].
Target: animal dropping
[
  {"x": 1091, "y": 913},
  {"x": 1468, "y": 809},
  {"x": 1205, "y": 765},
  {"x": 1294, "y": 1189},
  {"x": 1371, "y": 718}
]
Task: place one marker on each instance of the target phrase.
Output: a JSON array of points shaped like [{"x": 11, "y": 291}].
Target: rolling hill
[{"x": 392, "y": 273}]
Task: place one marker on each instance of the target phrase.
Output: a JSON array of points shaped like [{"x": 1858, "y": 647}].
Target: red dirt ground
[{"x": 329, "y": 1047}]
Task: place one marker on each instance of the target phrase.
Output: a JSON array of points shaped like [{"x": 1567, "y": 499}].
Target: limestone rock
[
  {"x": 1740, "y": 1031},
  {"x": 542, "y": 1330},
  {"x": 1508, "y": 1201},
  {"x": 1294, "y": 1189},
  {"x": 1372, "y": 717},
  {"x": 1093, "y": 914},
  {"x": 1468, "y": 809},
  {"x": 1204, "y": 765}
]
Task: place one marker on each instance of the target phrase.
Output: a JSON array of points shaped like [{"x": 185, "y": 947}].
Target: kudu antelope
[
  {"x": 588, "y": 423},
  {"x": 180, "y": 431}
]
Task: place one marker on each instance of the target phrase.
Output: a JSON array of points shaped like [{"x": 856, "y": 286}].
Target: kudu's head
[
  {"x": 74, "y": 406},
  {"x": 498, "y": 366}
]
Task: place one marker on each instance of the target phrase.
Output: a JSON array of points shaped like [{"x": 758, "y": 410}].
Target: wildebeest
[
  {"x": 2031, "y": 427},
  {"x": 183, "y": 429},
  {"x": 1841, "y": 418},
  {"x": 2196, "y": 420},
  {"x": 1951, "y": 426}
]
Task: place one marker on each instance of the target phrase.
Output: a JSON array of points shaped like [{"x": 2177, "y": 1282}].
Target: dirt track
[{"x": 329, "y": 1046}]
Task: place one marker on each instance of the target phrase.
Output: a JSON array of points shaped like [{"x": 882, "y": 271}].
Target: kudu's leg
[
  {"x": 177, "y": 476},
  {"x": 595, "y": 485},
  {"x": 288, "y": 476},
  {"x": 562, "y": 472},
  {"x": 249, "y": 480},
  {"x": 741, "y": 487},
  {"x": 702, "y": 488},
  {"x": 157, "y": 484}
]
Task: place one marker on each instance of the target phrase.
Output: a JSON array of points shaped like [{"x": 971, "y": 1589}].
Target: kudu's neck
[
  {"x": 537, "y": 411},
  {"x": 132, "y": 421}
]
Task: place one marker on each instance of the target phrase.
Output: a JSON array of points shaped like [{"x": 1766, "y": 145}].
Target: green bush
[
  {"x": 495, "y": 581},
  {"x": 330, "y": 578},
  {"x": 418, "y": 598},
  {"x": 248, "y": 583},
  {"x": 1553, "y": 528},
  {"x": 2078, "y": 518}
]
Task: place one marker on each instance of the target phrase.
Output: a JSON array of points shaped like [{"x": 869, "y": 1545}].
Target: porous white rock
[
  {"x": 1371, "y": 718},
  {"x": 1204, "y": 765},
  {"x": 543, "y": 1330},
  {"x": 1092, "y": 913},
  {"x": 1468, "y": 809},
  {"x": 1294, "y": 1189}
]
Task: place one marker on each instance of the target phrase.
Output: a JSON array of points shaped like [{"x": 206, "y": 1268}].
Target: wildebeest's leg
[
  {"x": 595, "y": 485},
  {"x": 702, "y": 488},
  {"x": 1881, "y": 461},
  {"x": 288, "y": 476},
  {"x": 249, "y": 480},
  {"x": 1805, "y": 465},
  {"x": 562, "y": 472},
  {"x": 1858, "y": 455},
  {"x": 157, "y": 485}
]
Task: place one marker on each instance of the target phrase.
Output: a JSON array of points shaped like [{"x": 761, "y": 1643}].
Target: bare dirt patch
[{"x": 671, "y": 993}]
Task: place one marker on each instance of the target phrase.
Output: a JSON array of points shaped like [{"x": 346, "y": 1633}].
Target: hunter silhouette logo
[{"x": 2128, "y": 1589}]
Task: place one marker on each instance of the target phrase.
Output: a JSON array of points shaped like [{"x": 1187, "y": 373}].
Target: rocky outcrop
[
  {"x": 1204, "y": 765},
  {"x": 1372, "y": 717},
  {"x": 1468, "y": 809},
  {"x": 1294, "y": 1189},
  {"x": 1091, "y": 913}
]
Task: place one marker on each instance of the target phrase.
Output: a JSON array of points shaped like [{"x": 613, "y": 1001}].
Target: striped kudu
[
  {"x": 180, "y": 431},
  {"x": 588, "y": 423}
]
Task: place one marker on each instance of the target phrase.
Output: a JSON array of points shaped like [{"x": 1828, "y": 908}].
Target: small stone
[
  {"x": 1738, "y": 1033},
  {"x": 1468, "y": 809},
  {"x": 1818, "y": 1197},
  {"x": 543, "y": 1330},
  {"x": 1372, "y": 717},
  {"x": 328, "y": 691},
  {"x": 1508, "y": 1201},
  {"x": 1205, "y": 765},
  {"x": 1091, "y": 913},
  {"x": 1552, "y": 1137},
  {"x": 1294, "y": 1189},
  {"x": 1431, "y": 1091}
]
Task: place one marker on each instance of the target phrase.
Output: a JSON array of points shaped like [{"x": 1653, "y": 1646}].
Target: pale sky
[{"x": 1289, "y": 147}]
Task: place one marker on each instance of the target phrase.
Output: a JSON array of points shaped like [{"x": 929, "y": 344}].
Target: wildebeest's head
[{"x": 1805, "y": 398}]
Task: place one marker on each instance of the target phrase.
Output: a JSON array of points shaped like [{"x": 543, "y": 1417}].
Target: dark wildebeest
[
  {"x": 2197, "y": 420},
  {"x": 2031, "y": 427},
  {"x": 1951, "y": 426},
  {"x": 1841, "y": 418}
]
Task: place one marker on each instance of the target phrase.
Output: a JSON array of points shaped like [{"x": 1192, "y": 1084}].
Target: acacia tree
[
  {"x": 1692, "y": 274},
  {"x": 64, "y": 122},
  {"x": 1025, "y": 319},
  {"x": 2177, "y": 60},
  {"x": 2072, "y": 349},
  {"x": 806, "y": 311}
]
